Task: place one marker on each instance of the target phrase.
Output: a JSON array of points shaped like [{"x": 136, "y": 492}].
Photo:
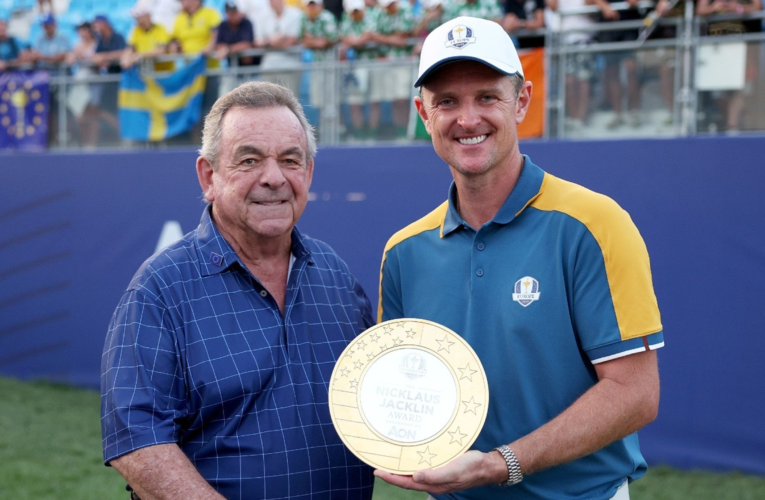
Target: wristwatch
[{"x": 514, "y": 475}]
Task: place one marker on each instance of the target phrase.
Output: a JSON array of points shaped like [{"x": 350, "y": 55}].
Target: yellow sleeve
[{"x": 213, "y": 18}]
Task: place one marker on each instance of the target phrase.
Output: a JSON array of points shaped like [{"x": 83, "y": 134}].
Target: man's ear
[
  {"x": 419, "y": 103},
  {"x": 523, "y": 101},
  {"x": 205, "y": 175}
]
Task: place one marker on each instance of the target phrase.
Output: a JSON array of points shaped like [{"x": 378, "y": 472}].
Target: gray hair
[
  {"x": 251, "y": 95},
  {"x": 517, "y": 79}
]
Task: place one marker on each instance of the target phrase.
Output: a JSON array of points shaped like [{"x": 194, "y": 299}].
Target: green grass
[{"x": 50, "y": 448}]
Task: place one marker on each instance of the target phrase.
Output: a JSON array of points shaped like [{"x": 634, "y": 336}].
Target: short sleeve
[
  {"x": 391, "y": 305},
  {"x": 213, "y": 19},
  {"x": 142, "y": 387},
  {"x": 614, "y": 306}
]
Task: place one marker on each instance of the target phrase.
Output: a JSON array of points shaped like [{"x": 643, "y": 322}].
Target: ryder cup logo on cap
[
  {"x": 459, "y": 36},
  {"x": 471, "y": 39},
  {"x": 526, "y": 291}
]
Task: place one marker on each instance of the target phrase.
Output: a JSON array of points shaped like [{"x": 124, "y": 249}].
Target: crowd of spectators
[{"x": 296, "y": 31}]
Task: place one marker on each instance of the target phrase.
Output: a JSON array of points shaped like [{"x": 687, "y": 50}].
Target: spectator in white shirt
[{"x": 279, "y": 32}]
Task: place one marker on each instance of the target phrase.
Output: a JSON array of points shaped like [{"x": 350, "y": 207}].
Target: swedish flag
[{"x": 152, "y": 109}]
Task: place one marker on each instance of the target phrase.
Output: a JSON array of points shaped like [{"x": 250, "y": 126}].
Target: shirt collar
[
  {"x": 526, "y": 189},
  {"x": 216, "y": 254}
]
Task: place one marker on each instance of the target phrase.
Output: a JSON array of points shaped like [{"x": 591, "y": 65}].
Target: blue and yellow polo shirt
[{"x": 558, "y": 281}]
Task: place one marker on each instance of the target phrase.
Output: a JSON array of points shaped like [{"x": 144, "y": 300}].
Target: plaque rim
[{"x": 369, "y": 437}]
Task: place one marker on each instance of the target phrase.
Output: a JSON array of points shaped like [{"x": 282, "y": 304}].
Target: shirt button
[
  {"x": 263, "y": 293},
  {"x": 480, "y": 246},
  {"x": 479, "y": 272}
]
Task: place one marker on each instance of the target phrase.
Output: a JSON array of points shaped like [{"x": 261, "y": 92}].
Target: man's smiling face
[
  {"x": 471, "y": 112},
  {"x": 260, "y": 186}
]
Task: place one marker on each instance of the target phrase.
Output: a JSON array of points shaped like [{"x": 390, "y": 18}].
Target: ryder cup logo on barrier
[
  {"x": 459, "y": 36},
  {"x": 526, "y": 291}
]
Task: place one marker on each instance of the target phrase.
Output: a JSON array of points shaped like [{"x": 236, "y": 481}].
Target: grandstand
[{"x": 671, "y": 92}]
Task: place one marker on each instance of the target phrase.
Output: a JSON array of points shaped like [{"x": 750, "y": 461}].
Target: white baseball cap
[
  {"x": 430, "y": 4},
  {"x": 385, "y": 3},
  {"x": 469, "y": 39},
  {"x": 351, "y": 5}
]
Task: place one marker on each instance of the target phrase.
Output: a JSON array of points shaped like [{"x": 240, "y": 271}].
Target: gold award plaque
[{"x": 408, "y": 394}]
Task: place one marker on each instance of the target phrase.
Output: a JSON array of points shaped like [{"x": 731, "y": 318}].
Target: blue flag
[
  {"x": 24, "y": 105},
  {"x": 153, "y": 109}
]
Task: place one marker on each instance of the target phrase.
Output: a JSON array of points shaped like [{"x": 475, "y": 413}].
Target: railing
[{"x": 662, "y": 83}]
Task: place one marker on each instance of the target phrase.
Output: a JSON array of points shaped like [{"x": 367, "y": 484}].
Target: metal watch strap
[{"x": 514, "y": 475}]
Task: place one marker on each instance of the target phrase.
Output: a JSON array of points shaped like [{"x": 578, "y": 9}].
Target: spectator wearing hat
[
  {"x": 432, "y": 17},
  {"x": 393, "y": 26},
  {"x": 356, "y": 30},
  {"x": 51, "y": 47},
  {"x": 279, "y": 31},
  {"x": 235, "y": 34},
  {"x": 9, "y": 47},
  {"x": 146, "y": 39},
  {"x": 318, "y": 33},
  {"x": 482, "y": 9}
]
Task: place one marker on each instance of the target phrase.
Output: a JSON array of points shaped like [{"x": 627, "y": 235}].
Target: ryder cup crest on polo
[
  {"x": 471, "y": 39},
  {"x": 526, "y": 291}
]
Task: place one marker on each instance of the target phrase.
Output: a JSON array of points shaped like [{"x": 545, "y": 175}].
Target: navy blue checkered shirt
[{"x": 198, "y": 354}]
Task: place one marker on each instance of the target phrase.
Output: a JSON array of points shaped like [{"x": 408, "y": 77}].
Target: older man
[
  {"x": 218, "y": 357},
  {"x": 549, "y": 282}
]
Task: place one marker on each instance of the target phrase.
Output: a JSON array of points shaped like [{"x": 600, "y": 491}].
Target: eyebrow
[{"x": 248, "y": 150}]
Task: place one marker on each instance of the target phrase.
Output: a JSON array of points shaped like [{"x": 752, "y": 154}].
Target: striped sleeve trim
[{"x": 626, "y": 347}]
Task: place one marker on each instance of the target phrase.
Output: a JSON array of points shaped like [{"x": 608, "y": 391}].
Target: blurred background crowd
[{"x": 352, "y": 61}]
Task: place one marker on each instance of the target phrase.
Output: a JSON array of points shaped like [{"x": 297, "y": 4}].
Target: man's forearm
[
  {"x": 163, "y": 472},
  {"x": 608, "y": 411}
]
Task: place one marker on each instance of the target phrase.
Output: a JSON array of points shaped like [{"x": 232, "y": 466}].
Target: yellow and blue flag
[
  {"x": 24, "y": 106},
  {"x": 155, "y": 108}
]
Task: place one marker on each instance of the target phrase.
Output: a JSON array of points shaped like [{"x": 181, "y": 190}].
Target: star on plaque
[
  {"x": 344, "y": 372},
  {"x": 467, "y": 372},
  {"x": 353, "y": 386},
  {"x": 383, "y": 347},
  {"x": 387, "y": 329},
  {"x": 471, "y": 406},
  {"x": 444, "y": 344},
  {"x": 426, "y": 456},
  {"x": 397, "y": 341},
  {"x": 374, "y": 337},
  {"x": 410, "y": 333},
  {"x": 350, "y": 353},
  {"x": 370, "y": 357},
  {"x": 457, "y": 436},
  {"x": 361, "y": 344},
  {"x": 357, "y": 365}
]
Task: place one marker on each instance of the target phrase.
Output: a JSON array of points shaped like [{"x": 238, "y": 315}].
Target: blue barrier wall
[{"x": 74, "y": 228}]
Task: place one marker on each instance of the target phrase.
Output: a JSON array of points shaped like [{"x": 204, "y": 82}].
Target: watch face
[{"x": 408, "y": 394}]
